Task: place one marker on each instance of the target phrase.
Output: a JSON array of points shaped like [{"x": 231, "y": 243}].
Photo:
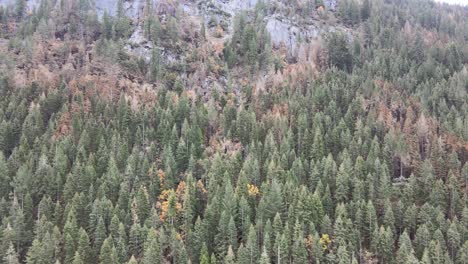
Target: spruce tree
[
  {"x": 35, "y": 255},
  {"x": 20, "y": 8},
  {"x": 204, "y": 257},
  {"x": 152, "y": 251},
  {"x": 77, "y": 259},
  {"x": 108, "y": 254},
  {"x": 230, "y": 257},
  {"x": 10, "y": 256}
]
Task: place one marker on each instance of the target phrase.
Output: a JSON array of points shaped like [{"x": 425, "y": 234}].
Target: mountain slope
[{"x": 228, "y": 131}]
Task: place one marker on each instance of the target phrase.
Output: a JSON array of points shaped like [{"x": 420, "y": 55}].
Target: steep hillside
[
  {"x": 289, "y": 35},
  {"x": 233, "y": 131}
]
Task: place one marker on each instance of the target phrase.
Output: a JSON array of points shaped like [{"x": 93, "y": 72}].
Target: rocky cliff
[
  {"x": 283, "y": 28},
  {"x": 295, "y": 30}
]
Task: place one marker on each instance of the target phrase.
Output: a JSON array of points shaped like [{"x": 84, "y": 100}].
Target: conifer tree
[
  {"x": 422, "y": 239},
  {"x": 339, "y": 54},
  {"x": 99, "y": 234},
  {"x": 20, "y": 8},
  {"x": 463, "y": 253},
  {"x": 252, "y": 245},
  {"x": 83, "y": 248},
  {"x": 230, "y": 257},
  {"x": 35, "y": 255},
  {"x": 10, "y": 256},
  {"x": 405, "y": 249},
  {"x": 77, "y": 259},
  {"x": 243, "y": 255},
  {"x": 204, "y": 257},
  {"x": 343, "y": 255},
  {"x": 136, "y": 240},
  {"x": 299, "y": 252},
  {"x": 108, "y": 254},
  {"x": 342, "y": 185},
  {"x": 264, "y": 258},
  {"x": 152, "y": 251},
  {"x": 132, "y": 260},
  {"x": 453, "y": 239}
]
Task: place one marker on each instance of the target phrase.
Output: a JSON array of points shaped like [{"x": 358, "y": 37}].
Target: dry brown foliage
[{"x": 405, "y": 116}]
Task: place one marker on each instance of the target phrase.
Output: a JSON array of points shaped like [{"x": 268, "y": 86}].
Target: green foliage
[
  {"x": 108, "y": 253},
  {"x": 250, "y": 45},
  {"x": 20, "y": 8},
  {"x": 156, "y": 66},
  {"x": 204, "y": 257},
  {"x": 338, "y": 51},
  {"x": 322, "y": 167}
]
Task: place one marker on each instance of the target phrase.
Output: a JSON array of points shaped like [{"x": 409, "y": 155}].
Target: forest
[{"x": 207, "y": 143}]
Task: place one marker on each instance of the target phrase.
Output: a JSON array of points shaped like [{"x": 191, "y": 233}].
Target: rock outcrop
[
  {"x": 31, "y": 4},
  {"x": 133, "y": 8},
  {"x": 283, "y": 29}
]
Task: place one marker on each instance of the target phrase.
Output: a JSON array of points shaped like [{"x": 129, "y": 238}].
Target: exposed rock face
[
  {"x": 107, "y": 5},
  {"x": 331, "y": 4},
  {"x": 7, "y": 2},
  {"x": 133, "y": 8},
  {"x": 283, "y": 29},
  {"x": 139, "y": 45},
  {"x": 223, "y": 11},
  {"x": 234, "y": 6},
  {"x": 279, "y": 32},
  {"x": 10, "y": 3}
]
